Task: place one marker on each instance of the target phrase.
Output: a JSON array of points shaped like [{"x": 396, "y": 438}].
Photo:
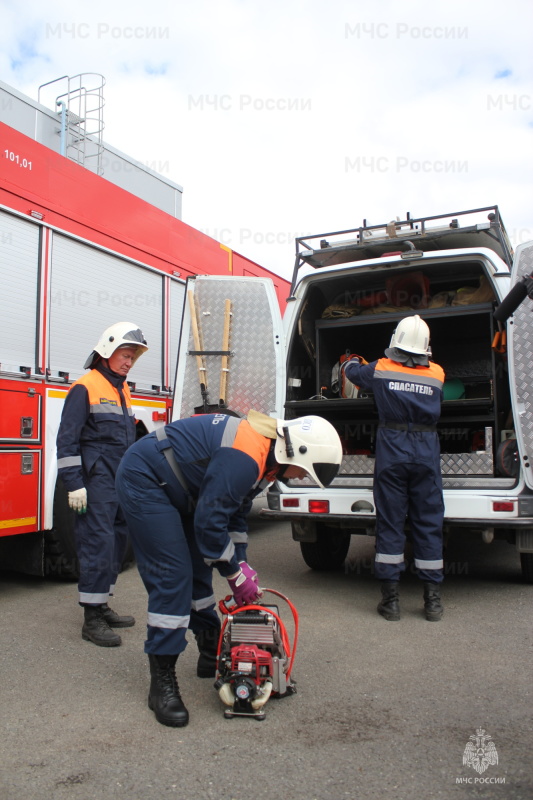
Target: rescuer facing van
[
  {"x": 186, "y": 491},
  {"x": 97, "y": 427},
  {"x": 407, "y": 389}
]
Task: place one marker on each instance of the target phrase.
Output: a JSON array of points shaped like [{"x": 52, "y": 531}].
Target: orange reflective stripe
[
  {"x": 433, "y": 371},
  {"x": 253, "y": 444}
]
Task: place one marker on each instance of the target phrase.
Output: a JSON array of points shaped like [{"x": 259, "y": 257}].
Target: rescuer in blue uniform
[
  {"x": 407, "y": 389},
  {"x": 186, "y": 490},
  {"x": 97, "y": 427}
]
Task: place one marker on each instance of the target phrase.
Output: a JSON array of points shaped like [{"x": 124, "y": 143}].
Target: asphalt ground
[{"x": 383, "y": 709}]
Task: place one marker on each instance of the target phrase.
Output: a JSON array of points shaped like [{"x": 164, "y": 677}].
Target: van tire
[
  {"x": 60, "y": 560},
  {"x": 526, "y": 562},
  {"x": 329, "y": 551}
]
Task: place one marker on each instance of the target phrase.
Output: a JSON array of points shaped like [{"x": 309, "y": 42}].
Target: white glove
[{"x": 78, "y": 500}]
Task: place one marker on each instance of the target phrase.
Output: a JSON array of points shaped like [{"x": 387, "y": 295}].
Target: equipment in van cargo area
[
  {"x": 339, "y": 382},
  {"x": 410, "y": 290},
  {"x": 507, "y": 458},
  {"x": 349, "y": 291},
  {"x": 454, "y": 389}
]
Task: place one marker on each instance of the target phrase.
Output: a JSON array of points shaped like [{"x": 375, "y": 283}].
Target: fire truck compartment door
[
  {"x": 520, "y": 350},
  {"x": 256, "y": 365},
  {"x": 19, "y": 511},
  {"x": 20, "y": 420}
]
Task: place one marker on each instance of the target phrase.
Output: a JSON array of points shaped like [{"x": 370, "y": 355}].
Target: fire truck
[{"x": 78, "y": 253}]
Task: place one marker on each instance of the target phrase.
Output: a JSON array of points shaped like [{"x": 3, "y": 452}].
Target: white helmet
[
  {"x": 311, "y": 443},
  {"x": 121, "y": 334},
  {"x": 411, "y": 335}
]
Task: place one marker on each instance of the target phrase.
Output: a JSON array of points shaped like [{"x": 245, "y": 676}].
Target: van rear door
[
  {"x": 241, "y": 341},
  {"x": 520, "y": 349}
]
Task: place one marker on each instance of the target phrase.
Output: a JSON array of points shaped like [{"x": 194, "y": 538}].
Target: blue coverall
[
  {"x": 407, "y": 474},
  {"x": 97, "y": 427},
  {"x": 179, "y": 532}
]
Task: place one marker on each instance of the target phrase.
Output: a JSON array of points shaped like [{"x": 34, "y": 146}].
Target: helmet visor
[
  {"x": 134, "y": 336},
  {"x": 326, "y": 472}
]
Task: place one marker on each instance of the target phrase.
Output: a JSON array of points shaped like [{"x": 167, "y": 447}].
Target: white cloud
[{"x": 294, "y": 117}]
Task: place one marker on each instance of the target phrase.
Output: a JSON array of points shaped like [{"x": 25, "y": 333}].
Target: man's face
[
  {"x": 284, "y": 473},
  {"x": 293, "y": 472},
  {"x": 122, "y": 359}
]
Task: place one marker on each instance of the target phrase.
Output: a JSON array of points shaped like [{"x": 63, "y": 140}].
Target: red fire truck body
[{"x": 79, "y": 253}]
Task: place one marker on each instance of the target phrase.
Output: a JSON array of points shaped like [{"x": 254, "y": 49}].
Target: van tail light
[
  {"x": 159, "y": 416},
  {"x": 290, "y": 502},
  {"x": 500, "y": 505},
  {"x": 319, "y": 506}
]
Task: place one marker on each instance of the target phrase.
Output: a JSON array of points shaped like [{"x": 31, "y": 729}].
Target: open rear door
[
  {"x": 232, "y": 338},
  {"x": 520, "y": 335}
]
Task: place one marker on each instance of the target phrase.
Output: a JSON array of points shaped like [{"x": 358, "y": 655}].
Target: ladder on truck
[{"x": 81, "y": 109}]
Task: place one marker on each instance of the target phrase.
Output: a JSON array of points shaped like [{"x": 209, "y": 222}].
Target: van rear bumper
[
  {"x": 357, "y": 509},
  {"x": 368, "y": 520}
]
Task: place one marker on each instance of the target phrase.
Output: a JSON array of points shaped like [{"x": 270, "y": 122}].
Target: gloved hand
[
  {"x": 354, "y": 359},
  {"x": 77, "y": 500},
  {"x": 244, "y": 586},
  {"x": 351, "y": 360}
]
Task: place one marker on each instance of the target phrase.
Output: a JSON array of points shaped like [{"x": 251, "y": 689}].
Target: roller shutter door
[
  {"x": 91, "y": 290},
  {"x": 19, "y": 275}
]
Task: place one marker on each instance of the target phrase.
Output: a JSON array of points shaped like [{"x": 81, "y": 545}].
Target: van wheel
[
  {"x": 329, "y": 551},
  {"x": 60, "y": 558},
  {"x": 526, "y": 562}
]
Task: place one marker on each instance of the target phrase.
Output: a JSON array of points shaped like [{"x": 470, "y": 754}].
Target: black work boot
[
  {"x": 389, "y": 607},
  {"x": 95, "y": 628},
  {"x": 114, "y": 620},
  {"x": 432, "y": 605},
  {"x": 164, "y": 698},
  {"x": 207, "y": 642}
]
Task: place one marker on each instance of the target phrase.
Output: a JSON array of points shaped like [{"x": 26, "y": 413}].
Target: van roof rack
[{"x": 372, "y": 241}]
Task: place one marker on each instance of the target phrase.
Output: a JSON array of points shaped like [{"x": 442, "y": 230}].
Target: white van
[{"x": 349, "y": 290}]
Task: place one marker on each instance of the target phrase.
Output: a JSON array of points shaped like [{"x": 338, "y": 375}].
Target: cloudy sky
[{"x": 294, "y": 117}]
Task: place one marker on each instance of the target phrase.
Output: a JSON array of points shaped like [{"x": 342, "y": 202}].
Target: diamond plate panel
[
  {"x": 462, "y": 467},
  {"x": 487, "y": 482},
  {"x": 357, "y": 465},
  {"x": 522, "y": 356},
  {"x": 464, "y": 464},
  {"x": 252, "y": 365},
  {"x": 467, "y": 464},
  {"x": 448, "y": 482}
]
